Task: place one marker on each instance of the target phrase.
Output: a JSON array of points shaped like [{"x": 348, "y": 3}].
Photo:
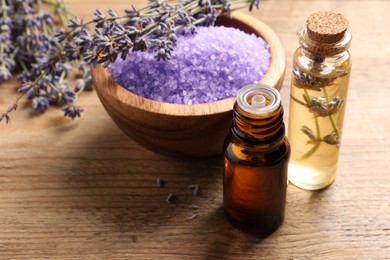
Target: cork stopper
[{"x": 326, "y": 27}]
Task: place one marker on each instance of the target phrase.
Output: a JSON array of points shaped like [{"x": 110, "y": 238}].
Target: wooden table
[{"x": 84, "y": 190}]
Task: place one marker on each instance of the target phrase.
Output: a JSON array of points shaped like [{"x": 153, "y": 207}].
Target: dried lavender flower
[
  {"x": 160, "y": 183},
  {"x": 195, "y": 188},
  {"x": 320, "y": 106},
  {"x": 193, "y": 206},
  {"x": 153, "y": 27},
  {"x": 29, "y": 46},
  {"x": 45, "y": 53},
  {"x": 307, "y": 81},
  {"x": 193, "y": 216},
  {"x": 332, "y": 138},
  {"x": 72, "y": 111},
  {"x": 40, "y": 103},
  {"x": 307, "y": 131},
  {"x": 170, "y": 198},
  {"x": 195, "y": 193}
]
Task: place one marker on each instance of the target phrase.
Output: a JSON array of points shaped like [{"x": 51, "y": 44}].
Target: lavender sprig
[
  {"x": 153, "y": 27},
  {"x": 45, "y": 53},
  {"x": 7, "y": 63},
  {"x": 37, "y": 56}
]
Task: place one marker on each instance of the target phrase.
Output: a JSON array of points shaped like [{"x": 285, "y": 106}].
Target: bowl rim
[{"x": 274, "y": 77}]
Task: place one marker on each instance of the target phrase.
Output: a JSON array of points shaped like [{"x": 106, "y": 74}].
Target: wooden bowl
[{"x": 185, "y": 130}]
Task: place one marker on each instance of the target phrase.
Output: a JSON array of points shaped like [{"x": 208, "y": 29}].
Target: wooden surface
[{"x": 83, "y": 190}]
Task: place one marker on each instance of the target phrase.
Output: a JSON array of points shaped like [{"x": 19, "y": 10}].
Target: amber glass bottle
[{"x": 256, "y": 155}]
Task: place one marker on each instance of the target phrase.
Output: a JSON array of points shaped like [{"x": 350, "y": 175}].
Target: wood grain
[{"x": 84, "y": 190}]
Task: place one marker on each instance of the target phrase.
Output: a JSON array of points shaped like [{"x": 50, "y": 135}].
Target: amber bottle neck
[{"x": 258, "y": 129}]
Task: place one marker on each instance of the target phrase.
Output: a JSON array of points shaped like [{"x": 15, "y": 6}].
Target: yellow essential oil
[{"x": 319, "y": 88}]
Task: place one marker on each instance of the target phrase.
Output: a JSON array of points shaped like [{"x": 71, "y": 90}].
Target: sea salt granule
[{"x": 209, "y": 66}]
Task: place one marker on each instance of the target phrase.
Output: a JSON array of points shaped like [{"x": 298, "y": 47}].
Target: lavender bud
[
  {"x": 99, "y": 14},
  {"x": 4, "y": 73},
  {"x": 155, "y": 4},
  {"x": 227, "y": 8},
  {"x": 195, "y": 193},
  {"x": 72, "y": 111},
  {"x": 170, "y": 198},
  {"x": 173, "y": 38},
  {"x": 193, "y": 206},
  {"x": 31, "y": 94},
  {"x": 74, "y": 22},
  {"x": 140, "y": 44},
  {"x": 40, "y": 103},
  {"x": 66, "y": 96},
  {"x": 12, "y": 107},
  {"x": 254, "y": 3},
  {"x": 332, "y": 138},
  {"x": 160, "y": 183},
  {"x": 112, "y": 13},
  {"x": 161, "y": 54},
  {"x": 193, "y": 216},
  {"x": 202, "y": 3},
  {"x": 124, "y": 55},
  {"x": 24, "y": 87},
  {"x": 106, "y": 63},
  {"x": 80, "y": 84}
]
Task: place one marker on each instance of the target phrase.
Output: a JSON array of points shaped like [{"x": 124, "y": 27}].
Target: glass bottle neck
[
  {"x": 258, "y": 130},
  {"x": 318, "y": 51}
]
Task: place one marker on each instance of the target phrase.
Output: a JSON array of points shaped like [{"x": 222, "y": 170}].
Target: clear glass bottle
[
  {"x": 319, "y": 87},
  {"x": 256, "y": 157}
]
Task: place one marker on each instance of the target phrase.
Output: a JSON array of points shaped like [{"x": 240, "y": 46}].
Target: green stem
[
  {"x": 44, "y": 24},
  {"x": 57, "y": 6},
  {"x": 332, "y": 121},
  {"x": 311, "y": 151},
  {"x": 80, "y": 91},
  {"x": 318, "y": 133},
  {"x": 318, "y": 143},
  {"x": 43, "y": 73},
  {"x": 23, "y": 65},
  {"x": 4, "y": 7}
]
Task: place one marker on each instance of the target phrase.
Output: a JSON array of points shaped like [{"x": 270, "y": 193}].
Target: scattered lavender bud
[
  {"x": 193, "y": 216},
  {"x": 7, "y": 118},
  {"x": 72, "y": 111},
  {"x": 195, "y": 188},
  {"x": 12, "y": 107},
  {"x": 254, "y": 3},
  {"x": 192, "y": 186},
  {"x": 195, "y": 192},
  {"x": 170, "y": 198},
  {"x": 193, "y": 206},
  {"x": 160, "y": 183}
]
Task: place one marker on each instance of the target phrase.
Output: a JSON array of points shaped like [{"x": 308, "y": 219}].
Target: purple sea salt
[{"x": 209, "y": 66}]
